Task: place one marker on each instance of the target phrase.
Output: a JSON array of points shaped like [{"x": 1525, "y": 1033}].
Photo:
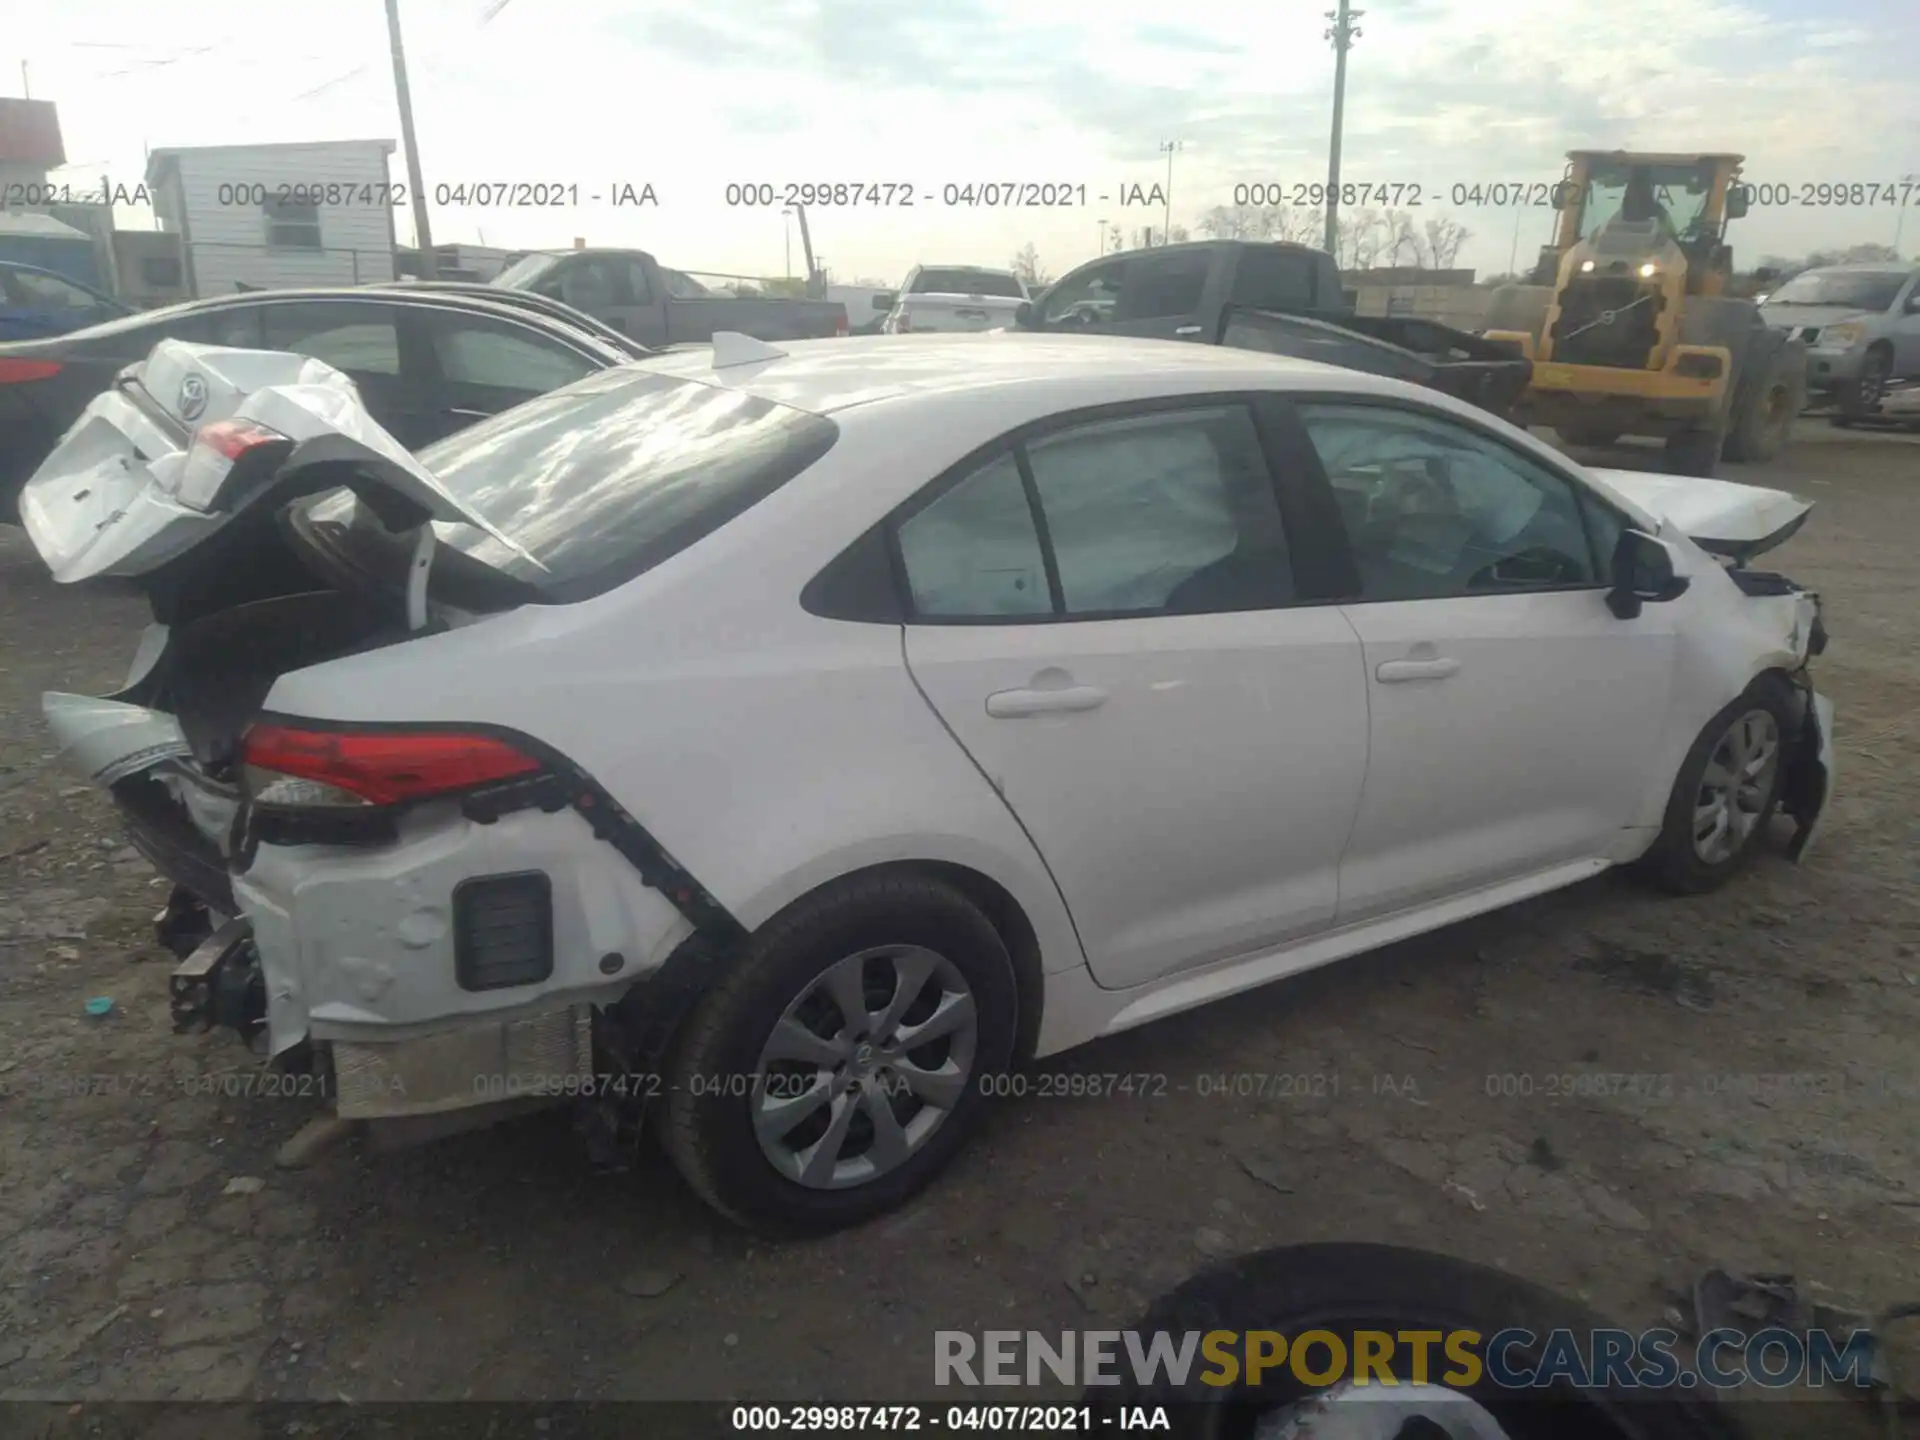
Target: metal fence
[{"x": 216, "y": 267}]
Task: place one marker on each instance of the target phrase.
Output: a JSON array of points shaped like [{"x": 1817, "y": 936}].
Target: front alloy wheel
[
  {"x": 1737, "y": 787},
  {"x": 865, "y": 1066}
]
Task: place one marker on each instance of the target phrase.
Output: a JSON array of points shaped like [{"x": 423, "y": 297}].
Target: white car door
[
  {"x": 1511, "y": 712},
  {"x": 1106, "y": 616}
]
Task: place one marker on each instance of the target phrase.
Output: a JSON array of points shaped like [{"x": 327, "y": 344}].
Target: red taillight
[
  {"x": 231, "y": 439},
  {"x": 18, "y": 372},
  {"x": 369, "y": 767},
  {"x": 840, "y": 325}
]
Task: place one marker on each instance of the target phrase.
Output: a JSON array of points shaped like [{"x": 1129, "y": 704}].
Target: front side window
[
  {"x": 1086, "y": 297},
  {"x": 35, "y": 291},
  {"x": 1171, "y": 512},
  {"x": 1434, "y": 509}
]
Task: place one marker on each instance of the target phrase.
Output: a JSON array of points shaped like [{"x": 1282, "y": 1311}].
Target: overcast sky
[{"x": 689, "y": 95}]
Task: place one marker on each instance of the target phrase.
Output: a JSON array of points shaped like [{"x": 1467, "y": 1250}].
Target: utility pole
[
  {"x": 26, "y": 90},
  {"x": 1343, "y": 32},
  {"x": 1172, "y": 148},
  {"x": 422, "y": 235}
]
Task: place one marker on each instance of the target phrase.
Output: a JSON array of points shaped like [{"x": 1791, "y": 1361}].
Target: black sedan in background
[{"x": 428, "y": 359}]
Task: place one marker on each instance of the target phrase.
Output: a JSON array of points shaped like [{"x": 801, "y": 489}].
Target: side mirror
[
  {"x": 1765, "y": 275},
  {"x": 1023, "y": 315},
  {"x": 884, "y": 302},
  {"x": 1739, "y": 197},
  {"x": 1642, "y": 574},
  {"x": 1913, "y": 303}
]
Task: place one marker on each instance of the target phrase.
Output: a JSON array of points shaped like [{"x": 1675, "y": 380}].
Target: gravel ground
[{"x": 1448, "y": 1093}]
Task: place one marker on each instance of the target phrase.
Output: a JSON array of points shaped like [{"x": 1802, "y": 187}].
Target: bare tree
[
  {"x": 1026, "y": 264},
  {"x": 1178, "y": 235},
  {"x": 1360, "y": 238},
  {"x": 1406, "y": 246},
  {"x": 1237, "y": 222},
  {"x": 1445, "y": 236}
]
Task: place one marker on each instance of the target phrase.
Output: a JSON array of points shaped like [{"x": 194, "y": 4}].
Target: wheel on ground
[
  {"x": 1727, "y": 790},
  {"x": 1354, "y": 1299},
  {"x": 1591, "y": 436},
  {"x": 1697, "y": 452},
  {"x": 846, "y": 1057},
  {"x": 1763, "y": 425},
  {"x": 1862, "y": 396}
]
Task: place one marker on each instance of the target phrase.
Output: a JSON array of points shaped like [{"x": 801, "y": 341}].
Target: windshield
[
  {"x": 610, "y": 476},
  {"x": 968, "y": 282},
  {"x": 524, "y": 271},
  {"x": 1675, "y": 194},
  {"x": 1855, "y": 289}
]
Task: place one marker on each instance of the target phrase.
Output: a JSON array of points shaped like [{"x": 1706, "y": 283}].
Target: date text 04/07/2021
[
  {"x": 983, "y": 194},
  {"x": 454, "y": 194},
  {"x": 966, "y": 1419}
]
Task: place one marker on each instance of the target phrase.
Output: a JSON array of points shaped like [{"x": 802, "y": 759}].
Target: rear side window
[
  {"x": 1163, "y": 286},
  {"x": 1276, "y": 280},
  {"x": 1171, "y": 512}
]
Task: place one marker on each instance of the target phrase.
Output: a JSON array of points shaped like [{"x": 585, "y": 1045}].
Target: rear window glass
[
  {"x": 611, "y": 476},
  {"x": 968, "y": 282}
]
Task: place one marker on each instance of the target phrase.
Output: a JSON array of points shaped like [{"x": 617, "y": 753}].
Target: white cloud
[{"x": 690, "y": 96}]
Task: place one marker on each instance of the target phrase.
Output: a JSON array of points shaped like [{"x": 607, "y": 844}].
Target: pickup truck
[
  {"x": 1861, "y": 325},
  {"x": 1277, "y": 297},
  {"x": 636, "y": 295},
  {"x": 951, "y": 297}
]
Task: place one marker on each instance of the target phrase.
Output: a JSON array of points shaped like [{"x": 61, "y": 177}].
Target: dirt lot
[{"x": 1444, "y": 1107}]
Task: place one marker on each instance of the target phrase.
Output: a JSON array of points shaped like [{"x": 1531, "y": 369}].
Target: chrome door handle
[
  {"x": 1186, "y": 330},
  {"x": 1013, "y": 704},
  {"x": 1392, "y": 671}
]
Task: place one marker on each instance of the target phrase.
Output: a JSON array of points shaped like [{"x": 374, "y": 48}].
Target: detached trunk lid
[
  {"x": 1720, "y": 516},
  {"x": 178, "y": 446}
]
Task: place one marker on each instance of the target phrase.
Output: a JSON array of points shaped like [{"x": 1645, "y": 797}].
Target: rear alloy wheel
[
  {"x": 865, "y": 1066},
  {"x": 1727, "y": 791},
  {"x": 846, "y": 1057}
]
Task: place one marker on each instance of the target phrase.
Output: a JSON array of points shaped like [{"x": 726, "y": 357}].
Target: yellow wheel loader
[{"x": 1629, "y": 321}]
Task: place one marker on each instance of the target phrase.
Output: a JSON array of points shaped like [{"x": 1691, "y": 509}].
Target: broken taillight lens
[
  {"x": 287, "y": 766},
  {"x": 217, "y": 448}
]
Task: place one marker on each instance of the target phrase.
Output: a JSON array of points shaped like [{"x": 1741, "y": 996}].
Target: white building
[{"x": 272, "y": 216}]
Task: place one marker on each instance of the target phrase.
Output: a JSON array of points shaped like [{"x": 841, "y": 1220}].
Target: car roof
[
  {"x": 438, "y": 299},
  {"x": 1867, "y": 267},
  {"x": 965, "y": 265},
  {"x": 825, "y": 376}
]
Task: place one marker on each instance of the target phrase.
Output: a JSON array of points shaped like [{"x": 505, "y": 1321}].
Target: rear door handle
[
  {"x": 1186, "y": 330},
  {"x": 1014, "y": 704},
  {"x": 1393, "y": 671}
]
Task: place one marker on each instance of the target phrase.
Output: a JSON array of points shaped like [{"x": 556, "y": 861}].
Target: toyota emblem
[{"x": 193, "y": 397}]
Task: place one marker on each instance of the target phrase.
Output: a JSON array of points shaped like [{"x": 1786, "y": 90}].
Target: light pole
[
  {"x": 1170, "y": 148},
  {"x": 1101, "y": 249},
  {"x": 1343, "y": 32},
  {"x": 422, "y": 237},
  {"x": 786, "y": 226},
  {"x": 1900, "y": 216}
]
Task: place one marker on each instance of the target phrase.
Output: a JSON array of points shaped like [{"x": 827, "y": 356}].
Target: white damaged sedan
[{"x": 787, "y": 743}]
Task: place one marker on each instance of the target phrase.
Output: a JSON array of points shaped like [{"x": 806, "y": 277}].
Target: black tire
[
  {"x": 1590, "y": 436},
  {"x": 1673, "y": 863},
  {"x": 708, "y": 1130},
  {"x": 1764, "y": 413},
  {"x": 1346, "y": 1288},
  {"x": 1860, "y": 398},
  {"x": 1697, "y": 452}
]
